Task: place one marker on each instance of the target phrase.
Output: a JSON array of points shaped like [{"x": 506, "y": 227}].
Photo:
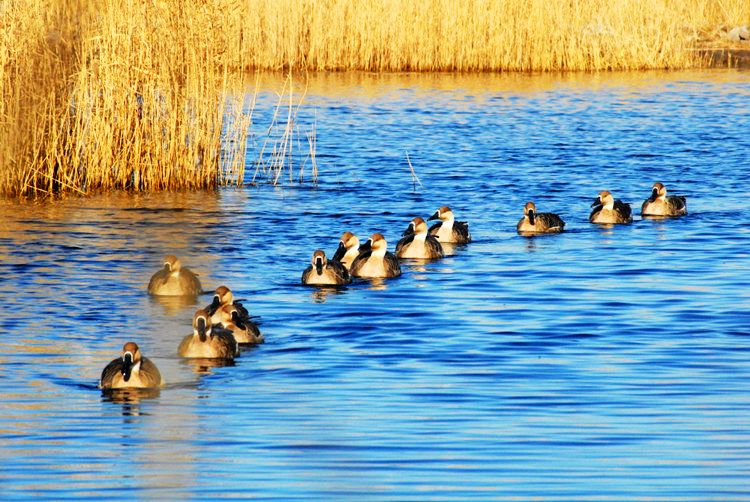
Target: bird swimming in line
[
  {"x": 174, "y": 280},
  {"x": 245, "y": 331},
  {"x": 131, "y": 371},
  {"x": 608, "y": 210},
  {"x": 374, "y": 260},
  {"x": 348, "y": 250},
  {"x": 539, "y": 223},
  {"x": 417, "y": 244},
  {"x": 324, "y": 272},
  {"x": 207, "y": 343},
  {"x": 661, "y": 204},
  {"x": 447, "y": 229}
]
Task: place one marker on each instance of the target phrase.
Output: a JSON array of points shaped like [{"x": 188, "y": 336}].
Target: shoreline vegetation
[{"x": 150, "y": 95}]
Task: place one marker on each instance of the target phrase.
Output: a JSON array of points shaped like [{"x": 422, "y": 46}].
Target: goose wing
[
  {"x": 678, "y": 204},
  {"x": 461, "y": 228},
  {"x": 403, "y": 244},
  {"x": 150, "y": 373},
  {"x": 306, "y": 274},
  {"x": 340, "y": 272},
  {"x": 551, "y": 220},
  {"x": 189, "y": 282},
  {"x": 391, "y": 265},
  {"x": 109, "y": 373},
  {"x": 435, "y": 249},
  {"x": 623, "y": 208}
]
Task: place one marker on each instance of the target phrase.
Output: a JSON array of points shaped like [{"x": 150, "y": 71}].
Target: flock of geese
[{"x": 223, "y": 327}]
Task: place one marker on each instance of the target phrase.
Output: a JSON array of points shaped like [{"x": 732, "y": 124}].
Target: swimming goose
[
  {"x": 374, "y": 260},
  {"x": 206, "y": 342},
  {"x": 538, "y": 223},
  {"x": 417, "y": 244},
  {"x": 447, "y": 229},
  {"x": 223, "y": 296},
  {"x": 348, "y": 250},
  {"x": 608, "y": 210},
  {"x": 173, "y": 280},
  {"x": 244, "y": 330},
  {"x": 323, "y": 272},
  {"x": 661, "y": 204},
  {"x": 131, "y": 370}
]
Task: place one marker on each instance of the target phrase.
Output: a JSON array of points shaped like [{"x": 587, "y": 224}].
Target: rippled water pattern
[{"x": 602, "y": 363}]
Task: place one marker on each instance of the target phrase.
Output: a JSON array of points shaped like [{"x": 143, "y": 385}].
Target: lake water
[{"x": 602, "y": 363}]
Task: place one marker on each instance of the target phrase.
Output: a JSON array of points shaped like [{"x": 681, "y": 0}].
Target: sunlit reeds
[
  {"x": 100, "y": 95},
  {"x": 482, "y": 35}
]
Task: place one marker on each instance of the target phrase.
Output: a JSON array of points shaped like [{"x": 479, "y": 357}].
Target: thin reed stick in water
[{"x": 414, "y": 177}]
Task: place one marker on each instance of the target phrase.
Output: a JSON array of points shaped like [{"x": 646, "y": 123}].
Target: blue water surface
[{"x": 598, "y": 364}]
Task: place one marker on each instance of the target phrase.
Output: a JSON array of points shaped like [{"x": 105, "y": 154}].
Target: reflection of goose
[
  {"x": 131, "y": 370},
  {"x": 205, "y": 342},
  {"x": 608, "y": 210},
  {"x": 324, "y": 272},
  {"x": 374, "y": 260},
  {"x": 173, "y": 280},
  {"x": 348, "y": 250},
  {"x": 661, "y": 204},
  {"x": 244, "y": 330},
  {"x": 538, "y": 223},
  {"x": 417, "y": 244},
  {"x": 447, "y": 229}
]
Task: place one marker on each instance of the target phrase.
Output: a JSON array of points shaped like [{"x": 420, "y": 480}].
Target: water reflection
[
  {"x": 204, "y": 366},
  {"x": 174, "y": 305}
]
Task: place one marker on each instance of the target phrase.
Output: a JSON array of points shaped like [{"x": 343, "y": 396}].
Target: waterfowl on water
[
  {"x": 223, "y": 296},
  {"x": 324, "y": 272},
  {"x": 374, "y": 260},
  {"x": 417, "y": 243},
  {"x": 174, "y": 280},
  {"x": 661, "y": 204},
  {"x": 131, "y": 371},
  {"x": 206, "y": 342},
  {"x": 244, "y": 330},
  {"x": 608, "y": 210},
  {"x": 348, "y": 250},
  {"x": 539, "y": 223},
  {"x": 447, "y": 229}
]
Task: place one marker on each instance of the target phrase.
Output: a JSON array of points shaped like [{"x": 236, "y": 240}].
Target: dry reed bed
[
  {"x": 482, "y": 35},
  {"x": 98, "y": 94}
]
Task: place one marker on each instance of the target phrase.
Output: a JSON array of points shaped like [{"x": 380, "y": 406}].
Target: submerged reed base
[{"x": 100, "y": 95}]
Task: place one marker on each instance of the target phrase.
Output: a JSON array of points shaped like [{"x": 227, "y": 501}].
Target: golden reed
[
  {"x": 481, "y": 35},
  {"x": 103, "y": 94}
]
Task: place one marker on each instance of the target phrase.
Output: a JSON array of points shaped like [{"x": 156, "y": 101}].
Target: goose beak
[
  {"x": 202, "y": 329},
  {"x": 167, "y": 268},
  {"x": 237, "y": 321},
  {"x": 127, "y": 365},
  {"x": 597, "y": 202},
  {"x": 654, "y": 195},
  {"x": 319, "y": 266},
  {"x": 340, "y": 252},
  {"x": 435, "y": 216},
  {"x": 409, "y": 230},
  {"x": 214, "y": 305},
  {"x": 531, "y": 216}
]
